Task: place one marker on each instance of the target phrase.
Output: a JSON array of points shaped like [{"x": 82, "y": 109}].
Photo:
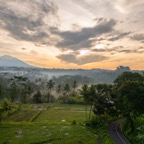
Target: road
[{"x": 116, "y": 132}]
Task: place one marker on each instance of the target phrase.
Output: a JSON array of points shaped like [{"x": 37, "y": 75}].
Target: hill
[{"x": 9, "y": 61}]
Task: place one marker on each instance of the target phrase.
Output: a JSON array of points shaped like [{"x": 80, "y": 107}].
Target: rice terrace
[{"x": 41, "y": 123}]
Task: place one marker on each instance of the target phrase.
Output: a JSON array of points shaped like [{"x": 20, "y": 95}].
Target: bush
[
  {"x": 71, "y": 100},
  {"x": 74, "y": 122}
]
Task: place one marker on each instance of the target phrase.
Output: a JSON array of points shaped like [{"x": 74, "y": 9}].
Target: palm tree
[
  {"x": 1, "y": 91},
  {"x": 67, "y": 88},
  {"x": 74, "y": 86},
  {"x": 50, "y": 86},
  {"x": 59, "y": 89},
  {"x": 91, "y": 98},
  {"x": 84, "y": 93}
]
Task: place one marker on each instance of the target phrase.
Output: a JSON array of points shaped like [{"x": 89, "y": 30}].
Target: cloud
[
  {"x": 97, "y": 7},
  {"x": 23, "y": 48},
  {"x": 81, "y": 39},
  {"x": 132, "y": 51},
  {"x": 137, "y": 37},
  {"x": 114, "y": 49},
  {"x": 126, "y": 51},
  {"x": 33, "y": 52},
  {"x": 118, "y": 36},
  {"x": 80, "y": 60},
  {"x": 99, "y": 50},
  {"x": 130, "y": 2},
  {"x": 128, "y": 6},
  {"x": 27, "y": 20}
]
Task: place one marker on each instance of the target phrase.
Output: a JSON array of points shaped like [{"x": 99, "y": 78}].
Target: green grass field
[
  {"x": 34, "y": 133},
  {"x": 41, "y": 124},
  {"x": 58, "y": 113}
]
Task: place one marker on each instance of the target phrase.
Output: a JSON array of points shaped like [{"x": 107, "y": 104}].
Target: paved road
[{"x": 116, "y": 132}]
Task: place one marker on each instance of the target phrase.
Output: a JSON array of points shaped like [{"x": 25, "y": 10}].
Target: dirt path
[{"x": 116, "y": 132}]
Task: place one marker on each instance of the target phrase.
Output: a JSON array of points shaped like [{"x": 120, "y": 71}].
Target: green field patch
[
  {"x": 63, "y": 113},
  {"x": 27, "y": 112},
  {"x": 45, "y": 124},
  {"x": 22, "y": 116},
  {"x": 32, "y": 133},
  {"x": 43, "y": 106}
]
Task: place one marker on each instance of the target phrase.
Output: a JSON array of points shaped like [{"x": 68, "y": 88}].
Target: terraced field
[{"x": 44, "y": 124}]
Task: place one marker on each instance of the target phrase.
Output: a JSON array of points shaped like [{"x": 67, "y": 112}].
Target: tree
[
  {"x": 58, "y": 89},
  {"x": 122, "y": 69},
  {"x": 50, "y": 86},
  {"x": 66, "y": 89},
  {"x": 3, "y": 87},
  {"x": 128, "y": 76},
  {"x": 104, "y": 104},
  {"x": 130, "y": 89},
  {"x": 29, "y": 91},
  {"x": 133, "y": 91},
  {"x": 0, "y": 91},
  {"x": 92, "y": 97},
  {"x": 5, "y": 108},
  {"x": 130, "y": 92},
  {"x": 74, "y": 86},
  {"x": 84, "y": 93},
  {"x": 37, "y": 97},
  {"x": 18, "y": 88}
]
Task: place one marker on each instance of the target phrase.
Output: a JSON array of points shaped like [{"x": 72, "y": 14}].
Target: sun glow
[
  {"x": 83, "y": 51},
  {"x": 100, "y": 46}
]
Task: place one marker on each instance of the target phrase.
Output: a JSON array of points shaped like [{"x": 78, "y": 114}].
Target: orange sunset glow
[{"x": 73, "y": 34}]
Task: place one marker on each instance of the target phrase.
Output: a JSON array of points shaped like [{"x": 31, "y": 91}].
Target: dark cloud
[
  {"x": 138, "y": 37},
  {"x": 99, "y": 50},
  {"x": 118, "y": 36},
  {"x": 81, "y": 39},
  {"x": 71, "y": 58},
  {"x": 76, "y": 27},
  {"x": 99, "y": 20},
  {"x": 25, "y": 20},
  {"x": 107, "y": 50},
  {"x": 140, "y": 50},
  {"x": 126, "y": 51}
]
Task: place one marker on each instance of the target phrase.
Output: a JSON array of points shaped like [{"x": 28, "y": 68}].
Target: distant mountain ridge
[{"x": 9, "y": 61}]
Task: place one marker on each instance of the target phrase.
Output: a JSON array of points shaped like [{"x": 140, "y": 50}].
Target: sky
[{"x": 73, "y": 34}]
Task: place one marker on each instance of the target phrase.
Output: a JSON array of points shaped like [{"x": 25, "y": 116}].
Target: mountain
[{"x": 9, "y": 61}]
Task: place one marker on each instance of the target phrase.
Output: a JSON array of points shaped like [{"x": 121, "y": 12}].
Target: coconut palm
[
  {"x": 84, "y": 93},
  {"x": 50, "y": 86},
  {"x": 74, "y": 86},
  {"x": 66, "y": 88},
  {"x": 58, "y": 89}
]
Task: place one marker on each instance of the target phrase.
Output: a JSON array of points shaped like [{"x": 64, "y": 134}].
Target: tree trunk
[
  {"x": 90, "y": 111},
  {"x": 86, "y": 117}
]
